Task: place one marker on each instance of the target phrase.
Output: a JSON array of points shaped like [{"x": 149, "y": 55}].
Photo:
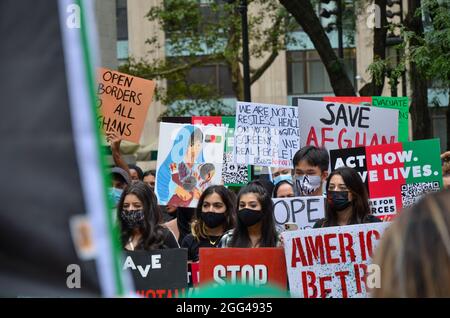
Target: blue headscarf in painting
[{"x": 185, "y": 137}]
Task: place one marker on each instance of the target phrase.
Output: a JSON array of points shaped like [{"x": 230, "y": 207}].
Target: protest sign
[
  {"x": 303, "y": 211},
  {"x": 123, "y": 101},
  {"x": 251, "y": 266},
  {"x": 193, "y": 274},
  {"x": 332, "y": 262},
  {"x": 158, "y": 273},
  {"x": 337, "y": 126},
  {"x": 189, "y": 160},
  {"x": 266, "y": 134},
  {"x": 233, "y": 174},
  {"x": 396, "y": 175},
  {"x": 400, "y": 103}
]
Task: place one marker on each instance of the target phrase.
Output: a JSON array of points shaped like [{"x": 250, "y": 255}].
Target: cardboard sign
[
  {"x": 399, "y": 103},
  {"x": 158, "y": 273},
  {"x": 303, "y": 211},
  {"x": 233, "y": 174},
  {"x": 337, "y": 126},
  {"x": 189, "y": 161},
  {"x": 123, "y": 101},
  {"x": 396, "y": 175},
  {"x": 252, "y": 266},
  {"x": 331, "y": 262},
  {"x": 266, "y": 134}
]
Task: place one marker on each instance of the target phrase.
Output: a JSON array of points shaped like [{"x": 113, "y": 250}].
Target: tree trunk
[
  {"x": 448, "y": 122},
  {"x": 420, "y": 115},
  {"x": 304, "y": 14}
]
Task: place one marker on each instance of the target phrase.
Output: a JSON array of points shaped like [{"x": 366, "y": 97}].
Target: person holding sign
[
  {"x": 347, "y": 200},
  {"x": 213, "y": 217},
  {"x": 255, "y": 220},
  {"x": 311, "y": 170},
  {"x": 140, "y": 220}
]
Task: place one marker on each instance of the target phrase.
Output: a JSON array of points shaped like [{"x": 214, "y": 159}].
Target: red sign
[{"x": 252, "y": 266}]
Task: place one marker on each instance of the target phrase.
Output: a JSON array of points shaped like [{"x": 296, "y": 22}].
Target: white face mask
[{"x": 307, "y": 185}]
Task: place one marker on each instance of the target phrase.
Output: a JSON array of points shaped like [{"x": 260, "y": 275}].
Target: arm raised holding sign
[{"x": 114, "y": 139}]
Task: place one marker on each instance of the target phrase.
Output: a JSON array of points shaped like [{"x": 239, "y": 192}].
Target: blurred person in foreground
[{"x": 414, "y": 253}]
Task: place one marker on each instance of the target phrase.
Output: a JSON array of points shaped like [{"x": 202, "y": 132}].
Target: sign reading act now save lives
[
  {"x": 396, "y": 175},
  {"x": 123, "y": 101}
]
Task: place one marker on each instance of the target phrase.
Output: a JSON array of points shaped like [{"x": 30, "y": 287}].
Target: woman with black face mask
[
  {"x": 255, "y": 220},
  {"x": 347, "y": 200},
  {"x": 212, "y": 218},
  {"x": 140, "y": 220}
]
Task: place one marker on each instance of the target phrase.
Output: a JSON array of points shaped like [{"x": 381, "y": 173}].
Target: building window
[
  {"x": 217, "y": 75},
  {"x": 121, "y": 20},
  {"x": 307, "y": 74}
]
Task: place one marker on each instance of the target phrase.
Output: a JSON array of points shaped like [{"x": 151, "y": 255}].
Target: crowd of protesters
[{"x": 414, "y": 253}]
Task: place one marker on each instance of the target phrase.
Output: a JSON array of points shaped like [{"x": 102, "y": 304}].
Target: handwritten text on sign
[
  {"x": 265, "y": 134},
  {"x": 123, "y": 101},
  {"x": 337, "y": 126},
  {"x": 303, "y": 211},
  {"x": 331, "y": 262}
]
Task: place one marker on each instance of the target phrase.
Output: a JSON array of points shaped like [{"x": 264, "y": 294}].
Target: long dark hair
[
  {"x": 229, "y": 199},
  {"x": 360, "y": 202},
  {"x": 153, "y": 233},
  {"x": 269, "y": 236}
]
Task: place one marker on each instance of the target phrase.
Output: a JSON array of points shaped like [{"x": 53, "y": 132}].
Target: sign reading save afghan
[
  {"x": 123, "y": 101},
  {"x": 332, "y": 262},
  {"x": 396, "y": 175},
  {"x": 249, "y": 266},
  {"x": 337, "y": 125},
  {"x": 399, "y": 103}
]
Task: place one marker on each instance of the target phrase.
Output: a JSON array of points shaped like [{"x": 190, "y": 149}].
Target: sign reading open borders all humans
[
  {"x": 189, "y": 161},
  {"x": 253, "y": 266},
  {"x": 123, "y": 102},
  {"x": 303, "y": 211},
  {"x": 331, "y": 262},
  {"x": 396, "y": 175},
  {"x": 266, "y": 134},
  {"x": 337, "y": 126},
  {"x": 158, "y": 273}
]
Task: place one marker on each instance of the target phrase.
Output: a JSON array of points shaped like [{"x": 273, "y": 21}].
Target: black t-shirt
[
  {"x": 368, "y": 219},
  {"x": 193, "y": 245},
  {"x": 169, "y": 240}
]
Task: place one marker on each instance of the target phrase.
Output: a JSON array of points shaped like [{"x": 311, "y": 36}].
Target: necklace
[{"x": 213, "y": 242}]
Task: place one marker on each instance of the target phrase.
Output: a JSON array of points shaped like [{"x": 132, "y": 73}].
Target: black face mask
[
  {"x": 212, "y": 219},
  {"x": 250, "y": 217},
  {"x": 338, "y": 200},
  {"x": 132, "y": 218}
]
